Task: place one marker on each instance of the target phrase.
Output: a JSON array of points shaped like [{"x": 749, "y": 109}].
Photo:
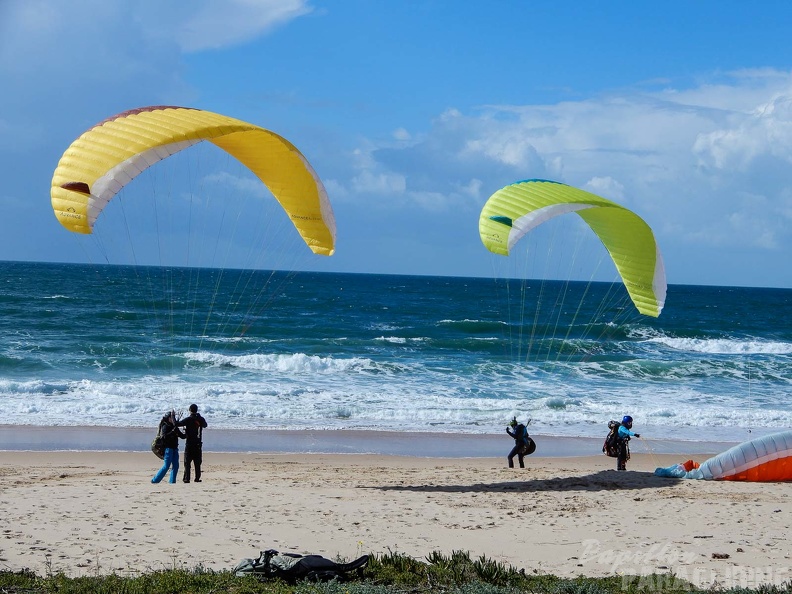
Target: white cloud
[
  {"x": 401, "y": 134},
  {"x": 685, "y": 160},
  {"x": 431, "y": 201},
  {"x": 103, "y": 57},
  {"x": 368, "y": 182},
  {"x": 134, "y": 35},
  {"x": 510, "y": 148},
  {"x": 47, "y": 33},
  {"x": 221, "y": 23},
  {"x": 606, "y": 186},
  {"x": 336, "y": 189},
  {"x": 764, "y": 131},
  {"x": 244, "y": 186},
  {"x": 472, "y": 188}
]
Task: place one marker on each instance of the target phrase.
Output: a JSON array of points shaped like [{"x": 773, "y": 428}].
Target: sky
[{"x": 414, "y": 113}]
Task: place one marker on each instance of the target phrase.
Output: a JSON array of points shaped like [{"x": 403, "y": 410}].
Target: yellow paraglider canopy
[{"x": 105, "y": 158}]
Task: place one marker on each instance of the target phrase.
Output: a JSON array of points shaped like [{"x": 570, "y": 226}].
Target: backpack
[
  {"x": 611, "y": 445},
  {"x": 293, "y": 568},
  {"x": 526, "y": 445},
  {"x": 158, "y": 445}
]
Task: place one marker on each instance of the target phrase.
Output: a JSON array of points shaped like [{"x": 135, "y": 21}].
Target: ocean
[{"x": 117, "y": 346}]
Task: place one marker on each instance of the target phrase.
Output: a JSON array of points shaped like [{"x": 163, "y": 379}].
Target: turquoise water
[{"x": 116, "y": 346}]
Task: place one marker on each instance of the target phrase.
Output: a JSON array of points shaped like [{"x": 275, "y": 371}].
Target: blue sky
[{"x": 413, "y": 113}]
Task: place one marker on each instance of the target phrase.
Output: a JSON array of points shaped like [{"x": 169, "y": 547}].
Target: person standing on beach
[
  {"x": 171, "y": 434},
  {"x": 193, "y": 454},
  {"x": 522, "y": 442},
  {"x": 623, "y": 442}
]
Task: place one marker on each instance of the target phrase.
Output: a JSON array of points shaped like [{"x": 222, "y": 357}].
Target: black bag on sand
[{"x": 294, "y": 568}]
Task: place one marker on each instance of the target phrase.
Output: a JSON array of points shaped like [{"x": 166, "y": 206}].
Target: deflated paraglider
[
  {"x": 514, "y": 210},
  {"x": 105, "y": 158},
  {"x": 765, "y": 459}
]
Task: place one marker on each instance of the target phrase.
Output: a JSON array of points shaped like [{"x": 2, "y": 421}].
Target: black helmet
[{"x": 193, "y": 408}]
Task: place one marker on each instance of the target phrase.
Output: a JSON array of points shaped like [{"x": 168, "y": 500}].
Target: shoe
[
  {"x": 197, "y": 480},
  {"x": 186, "y": 481}
]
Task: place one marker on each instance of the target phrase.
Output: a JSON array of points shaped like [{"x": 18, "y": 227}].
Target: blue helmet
[{"x": 627, "y": 421}]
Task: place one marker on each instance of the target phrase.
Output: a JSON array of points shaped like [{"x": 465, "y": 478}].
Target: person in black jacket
[
  {"x": 522, "y": 442},
  {"x": 171, "y": 434},
  {"x": 193, "y": 427}
]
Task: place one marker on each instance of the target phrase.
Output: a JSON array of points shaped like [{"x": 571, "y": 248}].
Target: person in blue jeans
[{"x": 171, "y": 434}]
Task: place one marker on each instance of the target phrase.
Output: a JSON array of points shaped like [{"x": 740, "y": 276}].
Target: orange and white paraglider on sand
[{"x": 765, "y": 459}]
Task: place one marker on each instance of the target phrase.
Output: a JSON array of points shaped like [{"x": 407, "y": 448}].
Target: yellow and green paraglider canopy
[{"x": 516, "y": 209}]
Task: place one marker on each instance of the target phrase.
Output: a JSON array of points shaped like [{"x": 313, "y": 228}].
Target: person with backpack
[
  {"x": 193, "y": 448},
  {"x": 170, "y": 433},
  {"x": 623, "y": 442},
  {"x": 523, "y": 444}
]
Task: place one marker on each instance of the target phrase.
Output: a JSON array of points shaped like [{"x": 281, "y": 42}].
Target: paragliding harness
[
  {"x": 158, "y": 445},
  {"x": 525, "y": 445},
  {"x": 611, "y": 445},
  {"x": 292, "y": 568}
]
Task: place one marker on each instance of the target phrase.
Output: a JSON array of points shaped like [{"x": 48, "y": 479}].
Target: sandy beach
[{"x": 86, "y": 512}]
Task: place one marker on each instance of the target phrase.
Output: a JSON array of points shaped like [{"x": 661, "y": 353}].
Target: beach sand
[{"x": 87, "y": 513}]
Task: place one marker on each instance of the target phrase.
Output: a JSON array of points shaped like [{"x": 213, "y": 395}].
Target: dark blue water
[{"x": 116, "y": 346}]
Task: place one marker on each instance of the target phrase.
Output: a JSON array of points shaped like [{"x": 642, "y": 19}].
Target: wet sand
[{"x": 436, "y": 445}]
